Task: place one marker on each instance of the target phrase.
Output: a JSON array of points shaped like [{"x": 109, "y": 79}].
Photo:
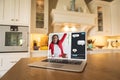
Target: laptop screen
[{"x": 67, "y": 45}]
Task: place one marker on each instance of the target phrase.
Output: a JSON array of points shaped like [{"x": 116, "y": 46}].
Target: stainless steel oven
[{"x": 13, "y": 38}]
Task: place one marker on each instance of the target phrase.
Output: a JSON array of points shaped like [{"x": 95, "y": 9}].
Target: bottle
[
  {"x": 109, "y": 44},
  {"x": 35, "y": 47},
  {"x": 90, "y": 44}
]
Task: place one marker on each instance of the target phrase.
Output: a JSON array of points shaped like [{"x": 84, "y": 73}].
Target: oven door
[{"x": 13, "y": 41}]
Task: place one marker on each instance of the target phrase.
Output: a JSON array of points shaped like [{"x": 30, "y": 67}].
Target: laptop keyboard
[{"x": 63, "y": 61}]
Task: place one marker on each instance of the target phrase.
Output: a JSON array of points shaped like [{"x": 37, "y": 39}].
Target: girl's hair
[{"x": 53, "y": 38}]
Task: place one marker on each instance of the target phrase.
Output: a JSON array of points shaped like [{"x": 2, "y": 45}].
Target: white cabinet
[
  {"x": 8, "y": 60},
  {"x": 2, "y": 72},
  {"x": 39, "y": 16},
  {"x": 103, "y": 10},
  {"x": 15, "y": 12},
  {"x": 22, "y": 10},
  {"x": 1, "y": 10},
  {"x": 115, "y": 18}
]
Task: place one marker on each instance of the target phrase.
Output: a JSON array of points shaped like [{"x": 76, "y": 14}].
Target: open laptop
[{"x": 67, "y": 51}]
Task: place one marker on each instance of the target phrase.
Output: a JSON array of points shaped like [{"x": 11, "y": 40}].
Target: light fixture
[
  {"x": 73, "y": 29},
  {"x": 40, "y": 2},
  {"x": 66, "y": 28},
  {"x": 69, "y": 28}
]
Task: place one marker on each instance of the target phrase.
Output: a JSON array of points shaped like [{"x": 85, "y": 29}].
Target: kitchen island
[{"x": 104, "y": 66}]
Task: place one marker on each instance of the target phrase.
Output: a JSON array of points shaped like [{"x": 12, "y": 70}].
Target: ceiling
[
  {"x": 107, "y": 0},
  {"x": 87, "y": 1}
]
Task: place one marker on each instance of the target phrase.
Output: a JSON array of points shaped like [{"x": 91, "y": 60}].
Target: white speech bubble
[
  {"x": 75, "y": 35},
  {"x": 81, "y": 42}
]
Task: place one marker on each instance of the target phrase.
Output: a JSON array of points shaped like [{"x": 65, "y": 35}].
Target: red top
[{"x": 51, "y": 46}]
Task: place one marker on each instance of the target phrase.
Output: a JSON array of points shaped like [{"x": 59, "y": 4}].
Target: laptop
[{"x": 67, "y": 52}]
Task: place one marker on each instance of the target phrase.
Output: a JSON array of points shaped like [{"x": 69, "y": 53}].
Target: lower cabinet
[
  {"x": 8, "y": 60},
  {"x": 115, "y": 18}
]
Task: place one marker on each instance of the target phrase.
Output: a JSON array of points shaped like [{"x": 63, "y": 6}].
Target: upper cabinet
[
  {"x": 115, "y": 17},
  {"x": 103, "y": 11},
  {"x": 39, "y": 16},
  {"x": 15, "y": 12}
]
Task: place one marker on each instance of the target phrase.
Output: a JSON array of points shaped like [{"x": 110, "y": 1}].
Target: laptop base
[{"x": 59, "y": 66}]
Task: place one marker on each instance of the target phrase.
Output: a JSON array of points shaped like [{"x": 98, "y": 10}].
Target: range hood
[
  {"x": 60, "y": 17},
  {"x": 63, "y": 15}
]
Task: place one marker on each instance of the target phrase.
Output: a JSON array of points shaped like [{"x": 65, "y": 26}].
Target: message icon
[{"x": 81, "y": 42}]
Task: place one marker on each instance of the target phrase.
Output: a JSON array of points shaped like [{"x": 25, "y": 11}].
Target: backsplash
[
  {"x": 107, "y": 42},
  {"x": 38, "y": 41},
  {"x": 93, "y": 42}
]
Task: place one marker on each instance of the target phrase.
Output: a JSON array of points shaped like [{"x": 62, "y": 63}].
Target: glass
[
  {"x": 39, "y": 24},
  {"x": 100, "y": 19},
  {"x": 39, "y": 13},
  {"x": 13, "y": 39}
]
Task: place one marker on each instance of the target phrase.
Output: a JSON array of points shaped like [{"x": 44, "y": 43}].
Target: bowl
[{"x": 99, "y": 46}]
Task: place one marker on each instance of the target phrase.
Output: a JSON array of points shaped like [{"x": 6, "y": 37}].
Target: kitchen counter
[
  {"x": 99, "y": 67},
  {"x": 105, "y": 50}
]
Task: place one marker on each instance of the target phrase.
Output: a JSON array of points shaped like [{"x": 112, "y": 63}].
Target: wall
[
  {"x": 52, "y": 5},
  {"x": 115, "y": 18}
]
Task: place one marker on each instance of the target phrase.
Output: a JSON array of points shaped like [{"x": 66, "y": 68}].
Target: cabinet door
[
  {"x": 22, "y": 12},
  {"x": 106, "y": 20},
  {"x": 15, "y": 12},
  {"x": 39, "y": 16},
  {"x": 103, "y": 26},
  {"x": 8, "y": 60},
  {"x": 8, "y": 12},
  {"x": 115, "y": 14},
  {"x": 1, "y": 10}
]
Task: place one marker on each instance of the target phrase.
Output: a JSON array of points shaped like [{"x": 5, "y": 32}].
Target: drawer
[
  {"x": 8, "y": 60},
  {"x": 7, "y": 63}
]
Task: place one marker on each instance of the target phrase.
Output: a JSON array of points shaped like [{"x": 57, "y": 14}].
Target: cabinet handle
[
  {"x": 1, "y": 62},
  {"x": 12, "y": 19},
  {"x": 17, "y": 20}
]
